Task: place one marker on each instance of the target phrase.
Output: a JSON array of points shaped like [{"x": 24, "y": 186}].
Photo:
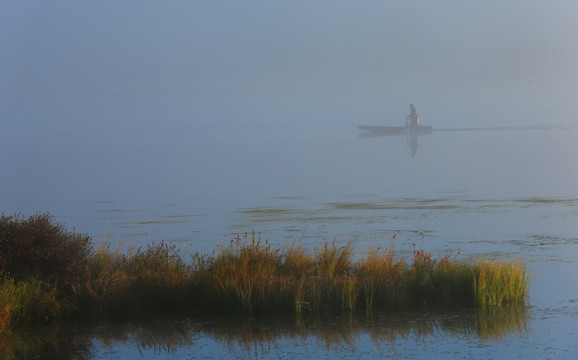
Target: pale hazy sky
[{"x": 77, "y": 65}]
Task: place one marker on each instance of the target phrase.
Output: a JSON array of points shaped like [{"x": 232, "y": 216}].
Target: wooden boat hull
[{"x": 397, "y": 130}]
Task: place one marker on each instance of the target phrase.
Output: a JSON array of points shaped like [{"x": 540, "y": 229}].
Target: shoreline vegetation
[{"x": 49, "y": 275}]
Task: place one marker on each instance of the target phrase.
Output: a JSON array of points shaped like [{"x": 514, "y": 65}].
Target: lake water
[{"x": 474, "y": 192}]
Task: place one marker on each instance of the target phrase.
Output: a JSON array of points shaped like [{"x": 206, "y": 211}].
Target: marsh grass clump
[
  {"x": 500, "y": 283},
  {"x": 332, "y": 285},
  {"x": 296, "y": 262},
  {"x": 242, "y": 276},
  {"x": 27, "y": 301},
  {"x": 332, "y": 261},
  {"x": 379, "y": 274},
  {"x": 154, "y": 280},
  {"x": 49, "y": 274},
  {"x": 453, "y": 281},
  {"x": 159, "y": 275}
]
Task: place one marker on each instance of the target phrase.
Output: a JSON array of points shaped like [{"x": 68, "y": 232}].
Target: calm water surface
[{"x": 492, "y": 193}]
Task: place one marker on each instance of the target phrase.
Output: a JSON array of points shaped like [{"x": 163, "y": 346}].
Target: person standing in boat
[{"x": 412, "y": 120}]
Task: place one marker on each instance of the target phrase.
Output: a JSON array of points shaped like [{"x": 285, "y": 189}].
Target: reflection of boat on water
[
  {"x": 412, "y": 130},
  {"x": 412, "y": 133},
  {"x": 395, "y": 130}
]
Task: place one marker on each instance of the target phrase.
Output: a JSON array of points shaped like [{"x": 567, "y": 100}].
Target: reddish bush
[{"x": 38, "y": 246}]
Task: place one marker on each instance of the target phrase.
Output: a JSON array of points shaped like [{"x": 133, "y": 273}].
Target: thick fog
[
  {"x": 148, "y": 65},
  {"x": 150, "y": 100}
]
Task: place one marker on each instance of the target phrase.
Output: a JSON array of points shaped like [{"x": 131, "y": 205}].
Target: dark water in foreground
[
  {"x": 350, "y": 336},
  {"x": 492, "y": 194}
]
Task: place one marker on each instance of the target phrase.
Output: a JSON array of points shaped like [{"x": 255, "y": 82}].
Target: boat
[{"x": 397, "y": 130}]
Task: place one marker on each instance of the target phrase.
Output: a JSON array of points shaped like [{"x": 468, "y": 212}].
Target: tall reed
[
  {"x": 379, "y": 275},
  {"x": 243, "y": 275},
  {"x": 247, "y": 276},
  {"x": 500, "y": 283}
]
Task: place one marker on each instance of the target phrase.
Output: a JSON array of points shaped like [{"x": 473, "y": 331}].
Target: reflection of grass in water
[
  {"x": 256, "y": 335},
  {"x": 44, "y": 343},
  {"x": 500, "y": 323},
  {"x": 384, "y": 329},
  {"x": 158, "y": 337},
  {"x": 72, "y": 341}
]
